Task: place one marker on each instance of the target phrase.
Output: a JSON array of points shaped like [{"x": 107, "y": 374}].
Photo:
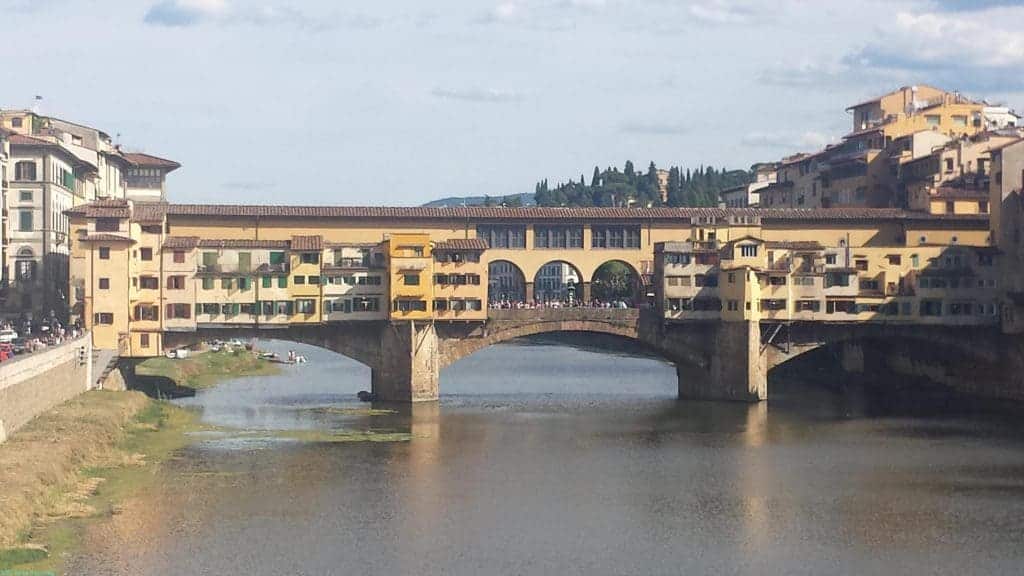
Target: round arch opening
[
  {"x": 506, "y": 283},
  {"x": 617, "y": 281},
  {"x": 558, "y": 281}
]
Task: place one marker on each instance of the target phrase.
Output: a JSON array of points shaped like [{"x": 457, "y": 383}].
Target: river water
[{"x": 543, "y": 458}]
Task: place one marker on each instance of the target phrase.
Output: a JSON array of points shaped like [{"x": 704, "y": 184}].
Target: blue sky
[{"x": 401, "y": 102}]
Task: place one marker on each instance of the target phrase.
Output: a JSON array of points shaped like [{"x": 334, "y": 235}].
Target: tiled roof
[
  {"x": 1005, "y": 145},
  {"x": 243, "y": 243},
  {"x": 795, "y": 245},
  {"x": 107, "y": 238},
  {"x": 150, "y": 161},
  {"x": 307, "y": 243},
  {"x": 960, "y": 192},
  {"x": 119, "y": 208},
  {"x": 149, "y": 211},
  {"x": 539, "y": 213},
  {"x": 23, "y": 140},
  {"x": 181, "y": 242},
  {"x": 461, "y": 244},
  {"x": 111, "y": 208}
]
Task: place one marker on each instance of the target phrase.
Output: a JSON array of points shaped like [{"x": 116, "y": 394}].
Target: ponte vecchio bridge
[{"x": 724, "y": 294}]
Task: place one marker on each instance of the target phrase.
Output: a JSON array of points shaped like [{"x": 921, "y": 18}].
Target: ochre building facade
[{"x": 142, "y": 270}]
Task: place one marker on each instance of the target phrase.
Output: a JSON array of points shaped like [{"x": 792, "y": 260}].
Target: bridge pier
[
  {"x": 409, "y": 363},
  {"x": 735, "y": 370}
]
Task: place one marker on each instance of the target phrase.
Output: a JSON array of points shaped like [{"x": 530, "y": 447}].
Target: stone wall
[{"x": 32, "y": 384}]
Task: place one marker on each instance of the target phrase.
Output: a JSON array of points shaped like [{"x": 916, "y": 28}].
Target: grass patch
[
  {"x": 78, "y": 462},
  {"x": 17, "y": 556},
  {"x": 205, "y": 369}
]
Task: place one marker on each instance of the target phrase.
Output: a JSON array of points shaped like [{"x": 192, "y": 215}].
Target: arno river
[{"x": 550, "y": 459}]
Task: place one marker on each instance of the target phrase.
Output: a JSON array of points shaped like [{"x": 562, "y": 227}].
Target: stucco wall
[{"x": 33, "y": 384}]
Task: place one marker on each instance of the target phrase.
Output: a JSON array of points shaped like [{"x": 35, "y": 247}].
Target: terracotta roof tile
[
  {"x": 795, "y": 245},
  {"x": 149, "y": 211},
  {"x": 107, "y": 238},
  {"x": 242, "y": 243},
  {"x": 150, "y": 161},
  {"x": 461, "y": 244},
  {"x": 960, "y": 192},
  {"x": 307, "y": 243},
  {"x": 23, "y": 140},
  {"x": 535, "y": 213},
  {"x": 109, "y": 208},
  {"x": 181, "y": 242}
]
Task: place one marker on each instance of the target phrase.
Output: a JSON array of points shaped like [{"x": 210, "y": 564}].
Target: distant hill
[{"x": 525, "y": 199}]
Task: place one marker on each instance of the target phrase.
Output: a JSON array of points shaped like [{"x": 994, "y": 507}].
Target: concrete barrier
[{"x": 32, "y": 384}]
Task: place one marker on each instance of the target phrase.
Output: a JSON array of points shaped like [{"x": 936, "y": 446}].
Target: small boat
[{"x": 365, "y": 396}]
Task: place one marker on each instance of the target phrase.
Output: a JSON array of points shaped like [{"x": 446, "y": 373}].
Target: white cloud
[
  {"x": 992, "y": 38},
  {"x": 721, "y": 12},
  {"x": 185, "y": 12},
  {"x": 182, "y": 13},
  {"x": 485, "y": 95},
  {"x": 978, "y": 50},
  {"x": 542, "y": 14},
  {"x": 787, "y": 141}
]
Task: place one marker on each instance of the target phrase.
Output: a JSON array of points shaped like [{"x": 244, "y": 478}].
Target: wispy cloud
[
  {"x": 541, "y": 15},
  {"x": 654, "y": 128},
  {"x": 973, "y": 50},
  {"x": 483, "y": 95},
  {"x": 721, "y": 12},
  {"x": 179, "y": 13},
  {"x": 26, "y": 6},
  {"x": 787, "y": 141},
  {"x": 184, "y": 13}
]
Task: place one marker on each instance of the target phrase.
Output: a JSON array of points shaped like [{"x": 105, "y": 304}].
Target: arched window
[
  {"x": 25, "y": 264},
  {"x": 25, "y": 170}
]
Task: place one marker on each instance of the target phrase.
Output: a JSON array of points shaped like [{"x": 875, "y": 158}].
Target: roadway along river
[{"x": 549, "y": 459}]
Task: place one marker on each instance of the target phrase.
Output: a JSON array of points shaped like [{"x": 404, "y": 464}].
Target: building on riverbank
[
  {"x": 918, "y": 147},
  {"x": 142, "y": 270},
  {"x": 53, "y": 165}
]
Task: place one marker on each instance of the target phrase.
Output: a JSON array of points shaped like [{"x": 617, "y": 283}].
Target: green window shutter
[
  {"x": 282, "y": 281},
  {"x": 266, "y": 281},
  {"x": 225, "y": 283},
  {"x": 209, "y": 258},
  {"x": 243, "y": 283},
  {"x": 199, "y": 309},
  {"x": 277, "y": 258},
  {"x": 236, "y": 308},
  {"x": 207, "y": 283}
]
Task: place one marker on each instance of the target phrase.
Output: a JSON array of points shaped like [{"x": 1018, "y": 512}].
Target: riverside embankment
[{"x": 80, "y": 460}]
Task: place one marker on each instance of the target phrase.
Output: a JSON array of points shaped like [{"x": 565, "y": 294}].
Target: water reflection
[{"x": 545, "y": 459}]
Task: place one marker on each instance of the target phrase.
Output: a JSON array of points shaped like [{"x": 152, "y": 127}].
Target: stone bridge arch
[
  {"x": 967, "y": 359},
  {"x": 505, "y": 325}
]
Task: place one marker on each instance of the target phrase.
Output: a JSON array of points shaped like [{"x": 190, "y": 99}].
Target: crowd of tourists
[
  {"x": 621, "y": 304},
  {"x": 23, "y": 336}
]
